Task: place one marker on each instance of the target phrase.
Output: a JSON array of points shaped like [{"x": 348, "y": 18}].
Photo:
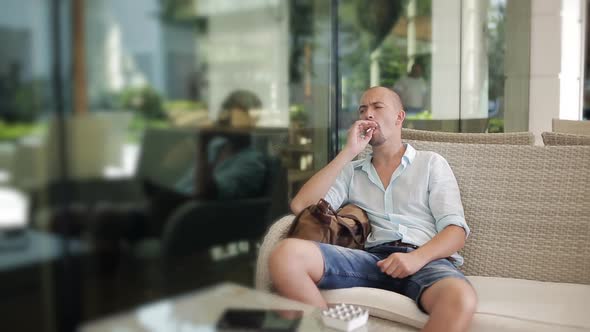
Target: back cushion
[
  {"x": 517, "y": 138},
  {"x": 565, "y": 139},
  {"x": 527, "y": 207}
]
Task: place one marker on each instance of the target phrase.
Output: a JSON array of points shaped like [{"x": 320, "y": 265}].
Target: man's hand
[
  {"x": 359, "y": 135},
  {"x": 400, "y": 265}
]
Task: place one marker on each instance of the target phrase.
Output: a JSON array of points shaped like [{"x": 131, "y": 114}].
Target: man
[{"x": 413, "y": 202}]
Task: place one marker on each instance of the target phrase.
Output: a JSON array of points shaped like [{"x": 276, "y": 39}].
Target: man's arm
[
  {"x": 318, "y": 185},
  {"x": 442, "y": 245}
]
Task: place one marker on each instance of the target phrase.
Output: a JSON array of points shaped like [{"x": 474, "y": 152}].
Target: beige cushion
[
  {"x": 565, "y": 139},
  {"x": 503, "y": 304},
  {"x": 559, "y": 305},
  {"x": 410, "y": 135},
  {"x": 571, "y": 127}
]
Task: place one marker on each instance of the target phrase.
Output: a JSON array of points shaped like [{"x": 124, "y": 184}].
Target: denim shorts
[{"x": 344, "y": 267}]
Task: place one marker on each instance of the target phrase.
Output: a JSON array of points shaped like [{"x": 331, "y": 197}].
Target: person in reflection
[
  {"x": 234, "y": 169},
  {"x": 415, "y": 210},
  {"x": 413, "y": 90}
]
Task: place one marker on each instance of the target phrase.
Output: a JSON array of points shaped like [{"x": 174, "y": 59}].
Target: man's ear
[{"x": 401, "y": 115}]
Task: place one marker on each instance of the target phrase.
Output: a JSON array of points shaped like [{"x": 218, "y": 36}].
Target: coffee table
[{"x": 200, "y": 310}]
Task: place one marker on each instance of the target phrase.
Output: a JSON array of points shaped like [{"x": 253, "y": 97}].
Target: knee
[
  {"x": 290, "y": 255},
  {"x": 462, "y": 298},
  {"x": 284, "y": 254}
]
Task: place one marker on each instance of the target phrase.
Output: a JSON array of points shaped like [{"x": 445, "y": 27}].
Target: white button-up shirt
[{"x": 422, "y": 198}]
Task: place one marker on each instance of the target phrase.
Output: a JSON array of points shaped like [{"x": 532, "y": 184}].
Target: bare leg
[
  {"x": 451, "y": 303},
  {"x": 296, "y": 266}
]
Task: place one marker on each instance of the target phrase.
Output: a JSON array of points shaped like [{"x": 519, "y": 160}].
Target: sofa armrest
[{"x": 276, "y": 232}]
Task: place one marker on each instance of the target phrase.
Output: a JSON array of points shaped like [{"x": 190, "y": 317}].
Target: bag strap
[
  {"x": 296, "y": 221},
  {"x": 358, "y": 223},
  {"x": 338, "y": 219},
  {"x": 345, "y": 225}
]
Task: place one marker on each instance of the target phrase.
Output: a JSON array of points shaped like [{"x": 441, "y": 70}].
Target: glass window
[
  {"x": 183, "y": 129},
  {"x": 452, "y": 62}
]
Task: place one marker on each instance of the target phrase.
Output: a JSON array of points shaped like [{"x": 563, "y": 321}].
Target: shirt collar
[{"x": 407, "y": 158}]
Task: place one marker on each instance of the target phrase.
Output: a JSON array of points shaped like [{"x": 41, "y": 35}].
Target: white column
[
  {"x": 517, "y": 65},
  {"x": 446, "y": 59},
  {"x": 572, "y": 60},
  {"x": 545, "y": 64},
  {"x": 556, "y": 62},
  {"x": 474, "y": 68}
]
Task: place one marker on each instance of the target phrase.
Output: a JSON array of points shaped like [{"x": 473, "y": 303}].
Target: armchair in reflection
[{"x": 202, "y": 187}]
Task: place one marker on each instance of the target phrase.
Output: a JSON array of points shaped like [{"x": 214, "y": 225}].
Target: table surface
[{"x": 200, "y": 310}]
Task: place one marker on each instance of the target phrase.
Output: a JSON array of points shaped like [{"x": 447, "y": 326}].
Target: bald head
[
  {"x": 381, "y": 108},
  {"x": 390, "y": 94}
]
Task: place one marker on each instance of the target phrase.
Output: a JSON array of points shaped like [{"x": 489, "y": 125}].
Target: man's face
[{"x": 380, "y": 106}]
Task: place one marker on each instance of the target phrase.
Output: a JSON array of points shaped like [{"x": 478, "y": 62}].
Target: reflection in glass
[
  {"x": 445, "y": 59},
  {"x": 192, "y": 123}
]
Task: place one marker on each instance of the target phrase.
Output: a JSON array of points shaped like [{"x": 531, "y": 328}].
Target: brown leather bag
[{"x": 347, "y": 227}]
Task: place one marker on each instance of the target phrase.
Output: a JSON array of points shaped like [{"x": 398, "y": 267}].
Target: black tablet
[{"x": 234, "y": 319}]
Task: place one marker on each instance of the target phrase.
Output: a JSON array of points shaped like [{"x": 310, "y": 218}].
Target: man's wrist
[
  {"x": 348, "y": 154},
  {"x": 421, "y": 256}
]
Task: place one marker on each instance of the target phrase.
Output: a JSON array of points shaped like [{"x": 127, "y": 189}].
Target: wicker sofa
[{"x": 529, "y": 252}]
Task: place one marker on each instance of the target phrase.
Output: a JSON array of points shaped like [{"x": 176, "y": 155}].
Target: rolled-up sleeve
[
  {"x": 445, "y": 198},
  {"x": 338, "y": 193}
]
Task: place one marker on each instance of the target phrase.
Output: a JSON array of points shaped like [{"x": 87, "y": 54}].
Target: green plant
[
  {"x": 145, "y": 100},
  {"x": 297, "y": 113},
  {"x": 14, "y": 131},
  {"x": 183, "y": 105},
  {"x": 139, "y": 124},
  {"x": 496, "y": 125},
  {"x": 27, "y": 102},
  {"x": 424, "y": 115}
]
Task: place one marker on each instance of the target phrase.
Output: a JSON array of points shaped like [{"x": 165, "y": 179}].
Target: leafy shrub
[{"x": 145, "y": 100}]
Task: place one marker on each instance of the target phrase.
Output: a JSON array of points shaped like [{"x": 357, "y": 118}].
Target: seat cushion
[
  {"x": 504, "y": 304},
  {"x": 559, "y": 305}
]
